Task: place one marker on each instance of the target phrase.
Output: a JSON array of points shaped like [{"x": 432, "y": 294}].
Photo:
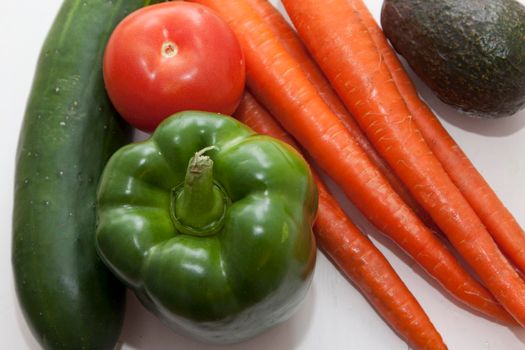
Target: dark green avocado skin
[{"x": 471, "y": 53}]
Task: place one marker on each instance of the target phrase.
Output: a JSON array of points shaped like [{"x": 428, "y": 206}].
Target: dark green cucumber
[{"x": 69, "y": 299}]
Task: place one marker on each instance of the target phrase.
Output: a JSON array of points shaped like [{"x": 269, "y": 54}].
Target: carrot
[
  {"x": 279, "y": 83},
  {"x": 258, "y": 118},
  {"x": 351, "y": 61},
  {"x": 500, "y": 223},
  {"x": 352, "y": 252},
  {"x": 293, "y": 45}
]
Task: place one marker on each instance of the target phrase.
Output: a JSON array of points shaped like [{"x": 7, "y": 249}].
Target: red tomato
[{"x": 170, "y": 57}]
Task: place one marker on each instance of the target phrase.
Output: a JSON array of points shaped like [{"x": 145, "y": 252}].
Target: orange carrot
[
  {"x": 353, "y": 252},
  {"x": 279, "y": 83},
  {"x": 293, "y": 45},
  {"x": 500, "y": 223},
  {"x": 350, "y": 59}
]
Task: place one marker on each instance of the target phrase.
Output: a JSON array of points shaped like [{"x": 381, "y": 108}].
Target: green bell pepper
[{"x": 211, "y": 225}]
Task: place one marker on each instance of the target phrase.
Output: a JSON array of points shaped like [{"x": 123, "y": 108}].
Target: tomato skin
[{"x": 171, "y": 57}]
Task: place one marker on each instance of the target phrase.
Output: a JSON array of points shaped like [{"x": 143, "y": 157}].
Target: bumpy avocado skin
[{"x": 471, "y": 53}]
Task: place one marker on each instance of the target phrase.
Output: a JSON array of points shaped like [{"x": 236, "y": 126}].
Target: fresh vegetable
[
  {"x": 293, "y": 45},
  {"x": 470, "y": 52},
  {"x": 68, "y": 297},
  {"x": 277, "y": 80},
  {"x": 172, "y": 57},
  {"x": 503, "y": 227},
  {"x": 374, "y": 93},
  {"x": 221, "y": 248},
  {"x": 353, "y": 252}
]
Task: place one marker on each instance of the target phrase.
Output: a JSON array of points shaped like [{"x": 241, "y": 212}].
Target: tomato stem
[{"x": 169, "y": 49}]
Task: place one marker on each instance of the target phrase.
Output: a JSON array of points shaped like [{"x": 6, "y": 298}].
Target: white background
[{"x": 334, "y": 315}]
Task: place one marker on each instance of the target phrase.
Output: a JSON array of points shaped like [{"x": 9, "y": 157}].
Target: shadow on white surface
[
  {"x": 519, "y": 333},
  {"x": 144, "y": 331}
]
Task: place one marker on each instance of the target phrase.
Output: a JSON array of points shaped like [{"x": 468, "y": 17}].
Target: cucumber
[{"x": 69, "y": 299}]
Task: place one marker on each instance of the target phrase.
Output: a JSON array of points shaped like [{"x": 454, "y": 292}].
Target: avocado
[{"x": 471, "y": 53}]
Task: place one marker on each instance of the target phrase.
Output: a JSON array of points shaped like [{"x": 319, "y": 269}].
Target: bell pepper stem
[{"x": 199, "y": 205}]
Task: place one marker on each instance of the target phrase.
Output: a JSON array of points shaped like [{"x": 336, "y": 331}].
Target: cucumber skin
[{"x": 69, "y": 299}]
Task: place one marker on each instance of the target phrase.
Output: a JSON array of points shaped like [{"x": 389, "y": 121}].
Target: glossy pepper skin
[{"x": 221, "y": 255}]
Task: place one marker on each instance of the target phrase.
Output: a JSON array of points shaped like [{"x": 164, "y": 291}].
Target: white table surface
[{"x": 334, "y": 315}]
